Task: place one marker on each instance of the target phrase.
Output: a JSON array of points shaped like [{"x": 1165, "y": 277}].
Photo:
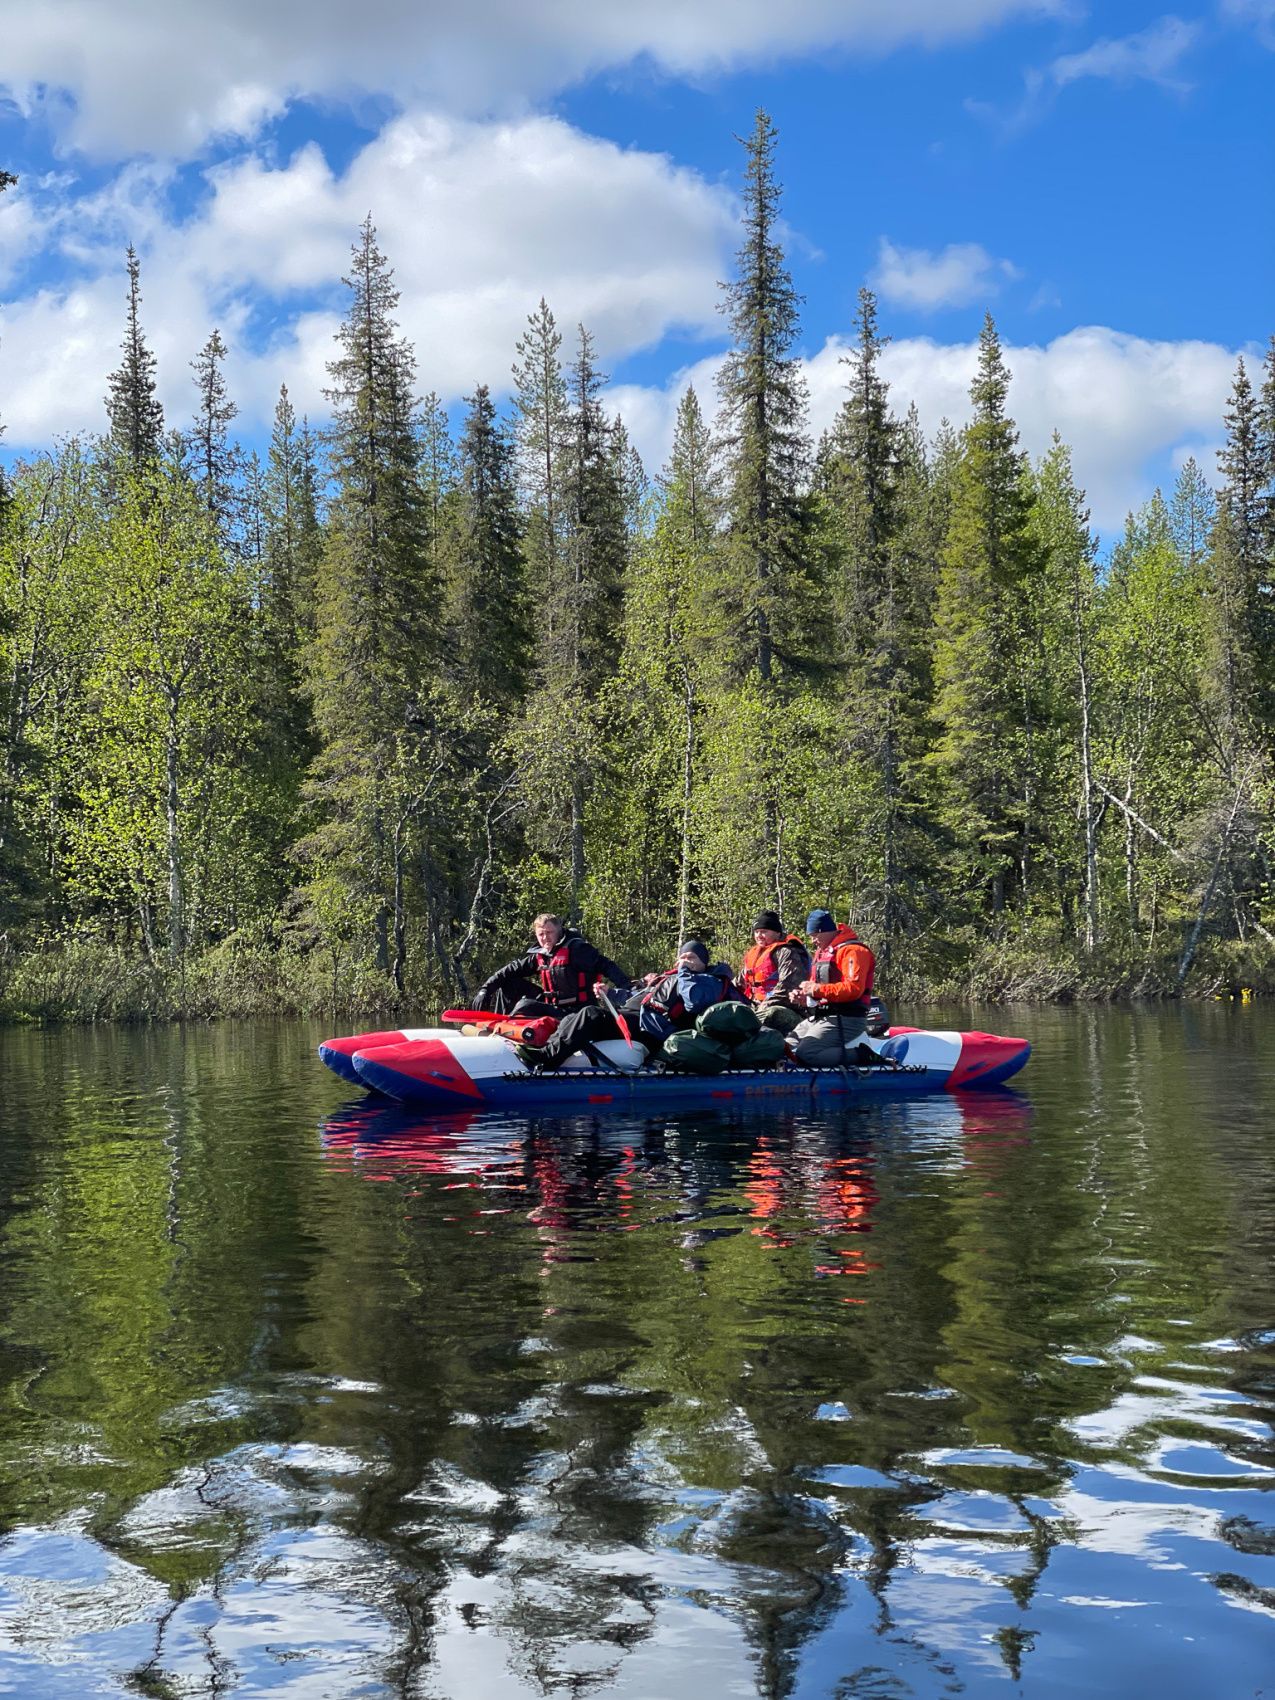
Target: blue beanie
[
  {"x": 820, "y": 921},
  {"x": 697, "y": 946}
]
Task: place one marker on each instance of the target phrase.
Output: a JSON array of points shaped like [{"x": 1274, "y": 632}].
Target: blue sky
[{"x": 1099, "y": 178}]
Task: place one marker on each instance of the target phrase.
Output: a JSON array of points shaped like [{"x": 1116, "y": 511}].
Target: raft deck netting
[{"x": 438, "y": 1069}]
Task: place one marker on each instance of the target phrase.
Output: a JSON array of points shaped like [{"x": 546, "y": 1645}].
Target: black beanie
[
  {"x": 769, "y": 920},
  {"x": 698, "y": 946}
]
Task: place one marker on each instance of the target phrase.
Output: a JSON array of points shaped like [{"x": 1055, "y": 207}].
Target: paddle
[
  {"x": 612, "y": 1009},
  {"x": 470, "y": 1017}
]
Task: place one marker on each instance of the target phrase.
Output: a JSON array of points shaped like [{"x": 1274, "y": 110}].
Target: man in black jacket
[
  {"x": 563, "y": 963},
  {"x": 664, "y": 1004}
]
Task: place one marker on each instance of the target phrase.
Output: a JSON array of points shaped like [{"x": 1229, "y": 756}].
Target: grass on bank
[{"x": 79, "y": 978}]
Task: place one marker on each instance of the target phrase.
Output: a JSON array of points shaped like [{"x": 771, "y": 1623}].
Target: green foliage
[
  {"x": 987, "y": 687},
  {"x": 132, "y": 405},
  {"x": 766, "y": 585},
  {"x": 321, "y": 732}
]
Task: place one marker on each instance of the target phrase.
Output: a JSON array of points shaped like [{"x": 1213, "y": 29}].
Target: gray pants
[{"x": 827, "y": 1041}]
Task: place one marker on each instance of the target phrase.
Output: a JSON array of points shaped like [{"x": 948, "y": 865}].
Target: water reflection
[{"x": 911, "y": 1399}]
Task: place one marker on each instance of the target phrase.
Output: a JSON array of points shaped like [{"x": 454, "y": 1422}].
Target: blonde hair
[{"x": 556, "y": 919}]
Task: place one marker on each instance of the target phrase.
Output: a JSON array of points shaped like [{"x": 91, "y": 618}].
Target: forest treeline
[{"x": 327, "y": 728}]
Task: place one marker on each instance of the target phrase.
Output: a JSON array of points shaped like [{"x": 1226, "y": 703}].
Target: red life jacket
[
  {"x": 760, "y": 974},
  {"x": 562, "y": 982},
  {"x": 827, "y": 971}
]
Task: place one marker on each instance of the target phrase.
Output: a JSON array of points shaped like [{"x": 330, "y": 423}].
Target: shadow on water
[{"x": 906, "y": 1399}]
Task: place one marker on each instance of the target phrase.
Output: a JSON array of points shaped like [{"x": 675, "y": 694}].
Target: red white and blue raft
[{"x": 445, "y": 1070}]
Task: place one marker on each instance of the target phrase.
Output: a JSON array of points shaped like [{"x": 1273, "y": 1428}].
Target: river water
[{"x": 304, "y": 1397}]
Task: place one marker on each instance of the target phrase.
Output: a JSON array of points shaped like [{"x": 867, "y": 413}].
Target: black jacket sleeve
[{"x": 521, "y": 968}]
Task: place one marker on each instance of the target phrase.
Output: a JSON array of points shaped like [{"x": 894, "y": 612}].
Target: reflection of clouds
[
  {"x": 66, "y": 1601},
  {"x": 978, "y": 1512},
  {"x": 1171, "y": 1423},
  {"x": 315, "y": 1591},
  {"x": 1144, "y": 1529},
  {"x": 952, "y": 1598}
]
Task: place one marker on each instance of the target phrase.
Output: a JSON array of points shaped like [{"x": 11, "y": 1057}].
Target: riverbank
[{"x": 79, "y": 980}]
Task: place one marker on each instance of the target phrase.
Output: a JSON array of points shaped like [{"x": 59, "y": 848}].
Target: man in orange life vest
[
  {"x": 837, "y": 993},
  {"x": 566, "y": 967},
  {"x": 773, "y": 973}
]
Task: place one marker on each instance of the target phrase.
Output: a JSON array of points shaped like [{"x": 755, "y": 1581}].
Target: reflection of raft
[{"x": 444, "y": 1070}]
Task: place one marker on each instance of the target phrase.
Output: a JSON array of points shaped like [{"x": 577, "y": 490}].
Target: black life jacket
[{"x": 563, "y": 981}]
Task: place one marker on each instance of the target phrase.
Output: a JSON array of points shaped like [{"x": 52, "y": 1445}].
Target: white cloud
[
  {"x": 1122, "y": 402},
  {"x": 649, "y": 411},
  {"x": 1130, "y": 408},
  {"x": 960, "y": 274},
  {"x": 1152, "y": 55},
  {"x": 21, "y": 232},
  {"x": 1259, "y": 13},
  {"x": 478, "y": 221},
  {"x": 137, "y": 76}
]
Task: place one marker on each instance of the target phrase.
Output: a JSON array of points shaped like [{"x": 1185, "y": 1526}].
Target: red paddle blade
[
  {"x": 621, "y": 1023},
  {"x": 469, "y": 1017}
]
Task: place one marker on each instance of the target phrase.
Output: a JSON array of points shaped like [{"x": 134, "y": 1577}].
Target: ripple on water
[{"x": 321, "y": 1438}]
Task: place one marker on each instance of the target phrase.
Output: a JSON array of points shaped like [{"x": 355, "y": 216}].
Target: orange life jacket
[
  {"x": 760, "y": 974},
  {"x": 843, "y": 971}
]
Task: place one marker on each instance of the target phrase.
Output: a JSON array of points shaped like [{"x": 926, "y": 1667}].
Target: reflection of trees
[{"x": 551, "y": 1382}]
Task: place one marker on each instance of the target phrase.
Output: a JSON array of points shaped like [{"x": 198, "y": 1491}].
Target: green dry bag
[
  {"x": 692, "y": 1053},
  {"x": 732, "y": 1023},
  {"x": 763, "y": 1051}
]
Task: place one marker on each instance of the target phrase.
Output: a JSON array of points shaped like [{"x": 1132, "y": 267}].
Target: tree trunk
[
  {"x": 1206, "y": 902},
  {"x": 1086, "y": 792},
  {"x": 688, "y": 756},
  {"x": 577, "y": 845},
  {"x": 176, "y": 917},
  {"x": 400, "y": 917}
]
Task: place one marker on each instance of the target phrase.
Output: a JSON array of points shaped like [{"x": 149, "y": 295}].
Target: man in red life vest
[
  {"x": 666, "y": 1003},
  {"x": 566, "y": 967},
  {"x": 774, "y": 972},
  {"x": 837, "y": 993}
]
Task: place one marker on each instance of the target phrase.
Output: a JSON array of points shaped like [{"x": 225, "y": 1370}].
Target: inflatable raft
[{"x": 444, "y": 1070}]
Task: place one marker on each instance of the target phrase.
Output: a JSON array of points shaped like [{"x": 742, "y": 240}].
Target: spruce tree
[
  {"x": 1242, "y": 624},
  {"x": 438, "y": 478},
  {"x": 540, "y": 395},
  {"x": 292, "y": 541},
  {"x": 593, "y": 505},
  {"x": 880, "y": 616},
  {"x": 287, "y": 571},
  {"x": 1066, "y": 682},
  {"x": 13, "y": 869},
  {"x": 212, "y": 460},
  {"x": 860, "y": 484},
  {"x": 655, "y": 856},
  {"x": 982, "y": 657},
  {"x": 1192, "y": 512},
  {"x": 763, "y": 397},
  {"x": 376, "y": 634},
  {"x": 136, "y": 418},
  {"x": 581, "y": 633},
  {"x": 490, "y": 631}
]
